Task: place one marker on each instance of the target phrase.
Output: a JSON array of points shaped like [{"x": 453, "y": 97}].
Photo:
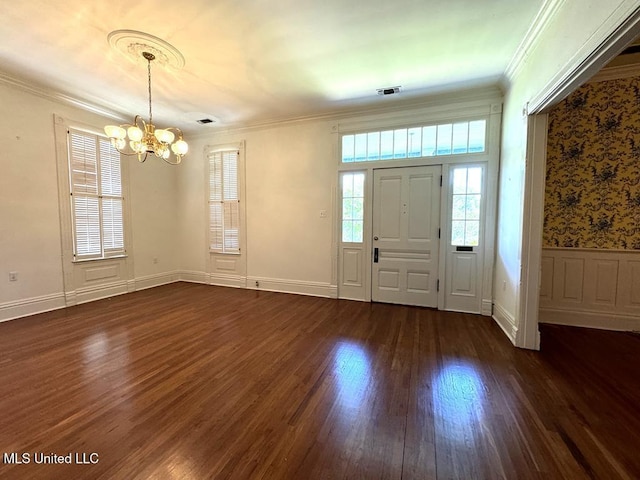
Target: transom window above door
[{"x": 421, "y": 141}]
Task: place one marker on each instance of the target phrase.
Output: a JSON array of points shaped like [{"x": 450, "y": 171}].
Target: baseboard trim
[
  {"x": 227, "y": 280},
  {"x": 150, "y": 281},
  {"x": 45, "y": 303},
  {"x": 314, "y": 289},
  {"x": 589, "y": 319},
  {"x": 355, "y": 299},
  {"x": 98, "y": 292},
  {"x": 192, "y": 276},
  {"x": 31, "y": 306},
  {"x": 486, "y": 308},
  {"x": 505, "y": 321}
]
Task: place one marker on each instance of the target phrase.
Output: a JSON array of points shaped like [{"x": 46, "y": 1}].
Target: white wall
[
  {"x": 154, "y": 216},
  {"x": 290, "y": 178},
  {"x": 30, "y": 240},
  {"x": 29, "y": 223},
  {"x": 572, "y": 34}
]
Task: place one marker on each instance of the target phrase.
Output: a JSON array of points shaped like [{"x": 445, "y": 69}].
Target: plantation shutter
[
  {"x": 111, "y": 189},
  {"x": 84, "y": 193},
  {"x": 96, "y": 196},
  {"x": 224, "y": 203}
]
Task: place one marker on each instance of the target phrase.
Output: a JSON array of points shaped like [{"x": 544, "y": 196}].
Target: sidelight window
[
  {"x": 352, "y": 207},
  {"x": 466, "y": 204}
]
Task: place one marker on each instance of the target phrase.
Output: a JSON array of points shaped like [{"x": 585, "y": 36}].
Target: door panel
[
  {"x": 406, "y": 209},
  {"x": 464, "y": 274},
  {"x": 390, "y": 189},
  {"x": 420, "y": 192}
]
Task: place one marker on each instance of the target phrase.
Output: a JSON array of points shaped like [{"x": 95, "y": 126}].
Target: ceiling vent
[
  {"x": 202, "y": 118},
  {"x": 389, "y": 90}
]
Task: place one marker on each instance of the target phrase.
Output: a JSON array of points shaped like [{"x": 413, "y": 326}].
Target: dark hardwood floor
[{"x": 198, "y": 382}]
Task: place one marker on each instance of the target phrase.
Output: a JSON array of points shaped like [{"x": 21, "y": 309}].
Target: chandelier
[{"x": 142, "y": 138}]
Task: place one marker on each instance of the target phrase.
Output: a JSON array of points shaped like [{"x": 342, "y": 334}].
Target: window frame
[
  {"x": 210, "y": 153},
  {"x": 481, "y": 208},
  {"x": 105, "y": 253},
  {"x": 341, "y": 207},
  {"x": 404, "y": 154}
]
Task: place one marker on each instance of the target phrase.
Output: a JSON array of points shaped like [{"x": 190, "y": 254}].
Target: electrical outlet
[
  {"x": 155, "y": 259},
  {"x": 13, "y": 276},
  {"x": 257, "y": 284}
]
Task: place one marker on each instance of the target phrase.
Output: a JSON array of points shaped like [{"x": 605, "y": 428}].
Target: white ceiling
[{"x": 252, "y": 61}]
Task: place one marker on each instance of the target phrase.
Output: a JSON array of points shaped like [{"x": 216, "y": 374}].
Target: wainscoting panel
[
  {"x": 605, "y": 284},
  {"x": 568, "y": 287},
  {"x": 225, "y": 264},
  {"x": 633, "y": 278},
  {"x": 546, "y": 281},
  {"x": 227, "y": 270},
  {"x": 590, "y": 288},
  {"x": 94, "y": 273}
]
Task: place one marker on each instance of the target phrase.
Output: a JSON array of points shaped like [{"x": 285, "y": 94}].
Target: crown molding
[
  {"x": 488, "y": 94},
  {"x": 616, "y": 73},
  {"x": 528, "y": 43},
  {"x": 55, "y": 96},
  {"x": 612, "y": 36}
]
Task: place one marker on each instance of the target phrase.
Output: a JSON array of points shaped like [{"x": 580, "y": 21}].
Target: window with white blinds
[
  {"x": 224, "y": 202},
  {"x": 96, "y": 196}
]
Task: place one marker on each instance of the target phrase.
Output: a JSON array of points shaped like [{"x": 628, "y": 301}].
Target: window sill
[
  {"x": 213, "y": 252},
  {"x": 100, "y": 259}
]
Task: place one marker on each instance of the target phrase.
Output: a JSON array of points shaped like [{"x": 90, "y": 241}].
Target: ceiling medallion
[{"x": 132, "y": 44}]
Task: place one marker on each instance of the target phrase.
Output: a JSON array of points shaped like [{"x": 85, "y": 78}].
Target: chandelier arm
[
  {"x": 177, "y": 162},
  {"x": 135, "y": 122},
  {"x": 128, "y": 154},
  {"x": 177, "y": 130}
]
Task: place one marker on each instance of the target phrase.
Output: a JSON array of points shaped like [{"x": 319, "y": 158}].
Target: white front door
[{"x": 406, "y": 221}]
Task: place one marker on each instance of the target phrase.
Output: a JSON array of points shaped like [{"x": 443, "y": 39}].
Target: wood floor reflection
[{"x": 198, "y": 382}]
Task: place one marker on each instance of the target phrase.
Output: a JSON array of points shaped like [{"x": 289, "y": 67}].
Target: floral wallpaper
[{"x": 592, "y": 197}]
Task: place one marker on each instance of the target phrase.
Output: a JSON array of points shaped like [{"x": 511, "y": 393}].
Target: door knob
[{"x": 375, "y": 238}]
